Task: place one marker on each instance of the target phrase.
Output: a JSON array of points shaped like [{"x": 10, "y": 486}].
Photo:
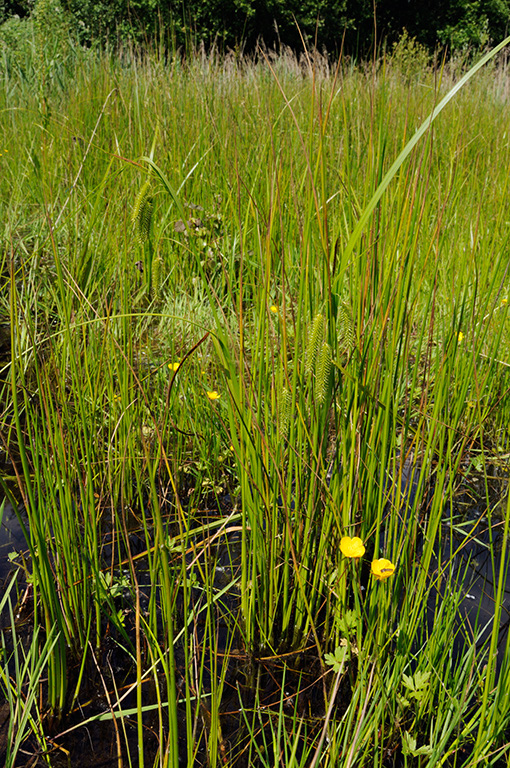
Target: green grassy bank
[{"x": 234, "y": 324}]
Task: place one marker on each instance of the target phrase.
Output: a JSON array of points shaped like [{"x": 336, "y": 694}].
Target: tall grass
[{"x": 236, "y": 324}]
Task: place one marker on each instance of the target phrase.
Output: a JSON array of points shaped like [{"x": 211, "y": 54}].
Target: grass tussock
[{"x": 238, "y": 336}]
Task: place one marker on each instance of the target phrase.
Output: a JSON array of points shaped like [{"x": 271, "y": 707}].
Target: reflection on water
[
  {"x": 475, "y": 570},
  {"x": 11, "y": 540}
]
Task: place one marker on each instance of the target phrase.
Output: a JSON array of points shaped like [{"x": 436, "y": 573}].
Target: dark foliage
[
  {"x": 10, "y": 8},
  {"x": 242, "y": 24}
]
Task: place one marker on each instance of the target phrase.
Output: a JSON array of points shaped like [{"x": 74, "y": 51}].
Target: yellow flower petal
[
  {"x": 213, "y": 395},
  {"x": 460, "y": 337},
  {"x": 352, "y": 547},
  {"x": 174, "y": 366},
  {"x": 382, "y": 569}
]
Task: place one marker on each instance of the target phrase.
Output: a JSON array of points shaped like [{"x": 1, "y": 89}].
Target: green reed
[{"x": 283, "y": 283}]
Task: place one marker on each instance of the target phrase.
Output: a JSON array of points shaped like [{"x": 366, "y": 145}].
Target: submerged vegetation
[{"x": 255, "y": 408}]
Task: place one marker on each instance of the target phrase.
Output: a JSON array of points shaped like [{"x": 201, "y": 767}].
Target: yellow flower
[
  {"x": 503, "y": 301},
  {"x": 213, "y": 395},
  {"x": 174, "y": 366},
  {"x": 460, "y": 337},
  {"x": 274, "y": 309},
  {"x": 382, "y": 569},
  {"x": 352, "y": 547}
]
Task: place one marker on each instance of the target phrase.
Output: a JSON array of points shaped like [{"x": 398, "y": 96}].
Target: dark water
[
  {"x": 474, "y": 568},
  {"x": 475, "y": 572},
  {"x": 11, "y": 540}
]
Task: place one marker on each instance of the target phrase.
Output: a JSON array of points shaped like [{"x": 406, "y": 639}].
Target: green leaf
[
  {"x": 409, "y": 746},
  {"x": 417, "y": 684},
  {"x": 348, "y": 623},
  {"x": 337, "y": 659}
]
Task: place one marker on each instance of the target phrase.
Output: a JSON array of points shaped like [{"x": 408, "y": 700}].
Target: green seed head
[
  {"x": 314, "y": 343},
  {"x": 142, "y": 212}
]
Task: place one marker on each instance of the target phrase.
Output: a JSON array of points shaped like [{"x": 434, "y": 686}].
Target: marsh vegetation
[{"x": 245, "y": 319}]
